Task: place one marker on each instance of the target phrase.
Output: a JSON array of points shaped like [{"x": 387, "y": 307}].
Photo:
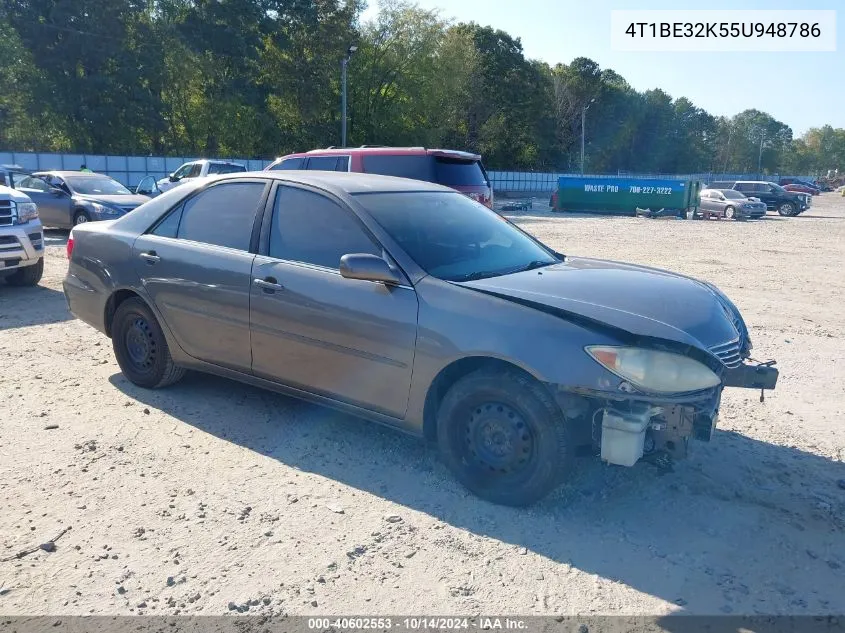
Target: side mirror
[
  {"x": 368, "y": 268},
  {"x": 173, "y": 178}
]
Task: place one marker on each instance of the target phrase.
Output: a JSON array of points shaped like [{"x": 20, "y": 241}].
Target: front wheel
[
  {"x": 730, "y": 213},
  {"x": 81, "y": 217},
  {"x": 140, "y": 347},
  {"x": 503, "y": 437},
  {"x": 28, "y": 275},
  {"x": 787, "y": 209}
]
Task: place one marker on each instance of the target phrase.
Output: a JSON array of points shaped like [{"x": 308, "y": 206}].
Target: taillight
[{"x": 70, "y": 244}]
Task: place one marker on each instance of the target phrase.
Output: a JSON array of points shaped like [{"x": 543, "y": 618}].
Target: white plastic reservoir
[{"x": 622, "y": 438}]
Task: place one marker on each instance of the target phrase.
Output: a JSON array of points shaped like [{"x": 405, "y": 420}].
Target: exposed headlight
[
  {"x": 103, "y": 209},
  {"x": 27, "y": 211},
  {"x": 653, "y": 370}
]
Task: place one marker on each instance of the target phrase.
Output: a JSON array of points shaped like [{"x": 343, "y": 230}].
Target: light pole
[
  {"x": 760, "y": 156},
  {"x": 583, "y": 120},
  {"x": 343, "y": 64}
]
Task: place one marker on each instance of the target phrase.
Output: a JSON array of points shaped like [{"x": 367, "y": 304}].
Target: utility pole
[
  {"x": 760, "y": 156},
  {"x": 583, "y": 122},
  {"x": 343, "y": 64}
]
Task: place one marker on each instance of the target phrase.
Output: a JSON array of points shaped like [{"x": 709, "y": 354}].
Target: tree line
[{"x": 261, "y": 78}]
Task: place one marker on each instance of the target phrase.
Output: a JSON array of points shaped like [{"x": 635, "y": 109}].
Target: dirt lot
[{"x": 210, "y": 495}]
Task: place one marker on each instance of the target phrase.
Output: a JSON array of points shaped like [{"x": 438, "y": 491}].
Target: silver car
[{"x": 407, "y": 303}]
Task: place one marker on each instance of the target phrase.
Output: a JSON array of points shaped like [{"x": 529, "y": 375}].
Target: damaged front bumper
[{"x": 629, "y": 426}]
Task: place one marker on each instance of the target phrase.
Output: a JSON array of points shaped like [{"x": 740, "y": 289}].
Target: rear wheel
[
  {"x": 503, "y": 437},
  {"x": 28, "y": 275},
  {"x": 140, "y": 347}
]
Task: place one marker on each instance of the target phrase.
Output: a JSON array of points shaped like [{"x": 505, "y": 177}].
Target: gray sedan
[
  {"x": 730, "y": 204},
  {"x": 411, "y": 305},
  {"x": 68, "y": 198}
]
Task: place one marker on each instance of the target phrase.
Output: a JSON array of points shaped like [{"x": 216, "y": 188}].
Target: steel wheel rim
[
  {"x": 140, "y": 345},
  {"x": 81, "y": 219},
  {"x": 498, "y": 439}
]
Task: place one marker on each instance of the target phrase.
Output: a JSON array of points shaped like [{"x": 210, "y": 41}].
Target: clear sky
[{"x": 803, "y": 90}]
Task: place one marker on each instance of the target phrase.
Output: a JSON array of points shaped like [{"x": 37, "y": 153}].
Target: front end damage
[{"x": 626, "y": 425}]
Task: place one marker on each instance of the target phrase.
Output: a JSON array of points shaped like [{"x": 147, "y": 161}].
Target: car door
[
  {"x": 350, "y": 340},
  {"x": 707, "y": 202},
  {"x": 54, "y": 205},
  {"x": 196, "y": 266}
]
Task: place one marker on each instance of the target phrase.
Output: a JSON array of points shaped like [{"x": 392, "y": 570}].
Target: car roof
[
  {"x": 341, "y": 182},
  {"x": 58, "y": 172},
  {"x": 390, "y": 151}
]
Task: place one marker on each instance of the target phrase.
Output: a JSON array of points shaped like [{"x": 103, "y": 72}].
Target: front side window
[
  {"x": 309, "y": 227},
  {"x": 194, "y": 171},
  {"x": 32, "y": 182},
  {"x": 454, "y": 238},
  {"x": 222, "y": 215},
  {"x": 289, "y": 163}
]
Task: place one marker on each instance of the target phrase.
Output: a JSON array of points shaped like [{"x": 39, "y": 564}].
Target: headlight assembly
[
  {"x": 103, "y": 209},
  {"x": 653, "y": 370},
  {"x": 27, "y": 211}
]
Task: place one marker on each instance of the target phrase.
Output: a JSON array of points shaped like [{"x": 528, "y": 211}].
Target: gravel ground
[{"x": 212, "y": 497}]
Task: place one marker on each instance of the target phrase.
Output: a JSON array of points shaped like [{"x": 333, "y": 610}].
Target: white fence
[{"x": 129, "y": 170}]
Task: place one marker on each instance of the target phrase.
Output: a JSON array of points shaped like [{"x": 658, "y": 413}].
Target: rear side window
[
  {"x": 223, "y": 215},
  {"x": 328, "y": 163},
  {"x": 454, "y": 172},
  {"x": 217, "y": 168},
  {"x": 288, "y": 163},
  {"x": 416, "y": 167},
  {"x": 309, "y": 227}
]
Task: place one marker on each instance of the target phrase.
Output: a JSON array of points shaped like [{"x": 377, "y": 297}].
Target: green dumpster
[{"x": 627, "y": 195}]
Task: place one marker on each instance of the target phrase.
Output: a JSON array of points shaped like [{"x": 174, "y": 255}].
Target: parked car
[
  {"x": 412, "y": 305},
  {"x": 68, "y": 198},
  {"x": 460, "y": 171},
  {"x": 729, "y": 204},
  {"x": 813, "y": 188},
  {"x": 21, "y": 239},
  {"x": 802, "y": 188},
  {"x": 775, "y": 197},
  {"x": 197, "y": 169}
]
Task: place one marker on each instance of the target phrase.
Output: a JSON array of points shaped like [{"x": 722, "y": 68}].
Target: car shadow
[
  {"x": 774, "y": 512},
  {"x": 27, "y": 306}
]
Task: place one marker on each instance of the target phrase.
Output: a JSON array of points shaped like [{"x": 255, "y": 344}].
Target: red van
[{"x": 461, "y": 171}]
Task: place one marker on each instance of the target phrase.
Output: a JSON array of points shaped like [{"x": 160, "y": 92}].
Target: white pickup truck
[
  {"x": 21, "y": 239},
  {"x": 189, "y": 171}
]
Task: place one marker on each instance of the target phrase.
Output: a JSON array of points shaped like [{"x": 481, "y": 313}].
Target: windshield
[
  {"x": 452, "y": 237},
  {"x": 96, "y": 185},
  {"x": 777, "y": 188},
  {"x": 735, "y": 195}
]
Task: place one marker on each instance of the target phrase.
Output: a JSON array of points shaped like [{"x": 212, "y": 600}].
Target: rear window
[
  {"x": 217, "y": 168},
  {"x": 455, "y": 172}
]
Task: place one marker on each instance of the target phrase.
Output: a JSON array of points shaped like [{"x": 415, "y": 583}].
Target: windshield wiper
[
  {"x": 537, "y": 263},
  {"x": 479, "y": 274}
]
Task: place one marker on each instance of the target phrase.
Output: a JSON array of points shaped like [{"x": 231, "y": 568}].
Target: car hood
[
  {"x": 123, "y": 202},
  {"x": 640, "y": 301}
]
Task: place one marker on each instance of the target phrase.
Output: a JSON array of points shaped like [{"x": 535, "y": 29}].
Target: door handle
[
  {"x": 150, "y": 257},
  {"x": 268, "y": 284}
]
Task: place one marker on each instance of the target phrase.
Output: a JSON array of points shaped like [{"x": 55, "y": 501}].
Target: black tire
[
  {"x": 525, "y": 452},
  {"x": 140, "y": 347},
  {"x": 81, "y": 217},
  {"x": 788, "y": 209},
  {"x": 27, "y": 276}
]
